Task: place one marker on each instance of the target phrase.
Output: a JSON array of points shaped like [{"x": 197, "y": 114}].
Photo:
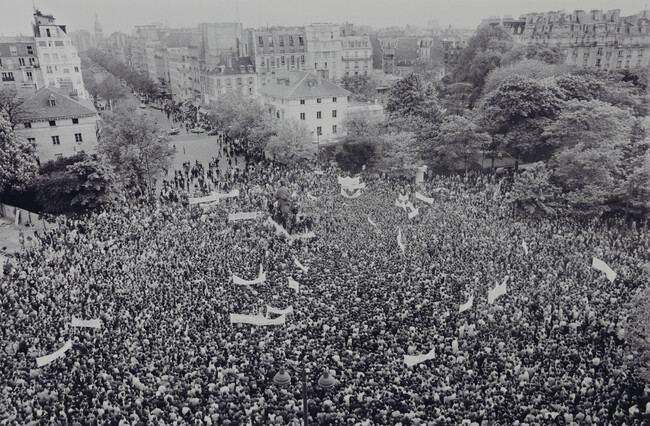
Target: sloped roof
[
  {"x": 304, "y": 85},
  {"x": 37, "y": 106},
  {"x": 234, "y": 68}
]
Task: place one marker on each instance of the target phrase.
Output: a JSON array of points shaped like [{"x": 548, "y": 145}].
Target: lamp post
[{"x": 282, "y": 378}]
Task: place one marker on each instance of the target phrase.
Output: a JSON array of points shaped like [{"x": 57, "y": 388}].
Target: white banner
[
  {"x": 499, "y": 290},
  {"x": 256, "y": 319},
  {"x": 423, "y": 198},
  {"x": 319, "y": 172},
  {"x": 599, "y": 265},
  {"x": 44, "y": 360},
  {"x": 347, "y": 181},
  {"x": 355, "y": 195},
  {"x": 305, "y": 236},
  {"x": 93, "y": 323},
  {"x": 355, "y": 186},
  {"x": 467, "y": 305},
  {"x": 3, "y": 260},
  {"x": 260, "y": 279},
  {"x": 440, "y": 189},
  {"x": 399, "y": 240},
  {"x": 401, "y": 204},
  {"x": 401, "y": 197},
  {"x": 272, "y": 310},
  {"x": 411, "y": 360},
  {"x": 294, "y": 285},
  {"x": 414, "y": 213},
  {"x": 214, "y": 197},
  {"x": 298, "y": 264},
  {"x": 279, "y": 228},
  {"x": 243, "y": 216},
  {"x": 372, "y": 223},
  {"x": 525, "y": 246},
  {"x": 311, "y": 197}
]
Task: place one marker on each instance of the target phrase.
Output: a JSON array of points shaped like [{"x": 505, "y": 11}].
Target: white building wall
[
  {"x": 324, "y": 50},
  {"x": 59, "y": 60},
  {"x": 42, "y": 133}
]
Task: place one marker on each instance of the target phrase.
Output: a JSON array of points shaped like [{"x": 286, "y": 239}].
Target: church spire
[{"x": 98, "y": 26}]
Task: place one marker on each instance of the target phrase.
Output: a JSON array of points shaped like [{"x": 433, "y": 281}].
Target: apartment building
[
  {"x": 19, "y": 65},
  {"x": 277, "y": 49},
  {"x": 232, "y": 74},
  {"x": 183, "y": 65},
  {"x": 324, "y": 48},
  {"x": 356, "y": 55}
]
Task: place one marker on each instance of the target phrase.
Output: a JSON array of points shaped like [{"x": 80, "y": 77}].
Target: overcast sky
[{"x": 123, "y": 15}]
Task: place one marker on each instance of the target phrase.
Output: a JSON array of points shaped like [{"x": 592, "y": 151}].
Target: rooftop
[
  {"x": 38, "y": 107},
  {"x": 301, "y": 85}
]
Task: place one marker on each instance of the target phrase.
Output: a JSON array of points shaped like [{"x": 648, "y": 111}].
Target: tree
[
  {"x": 12, "y": 106},
  {"x": 18, "y": 165},
  {"x": 459, "y": 141},
  {"x": 90, "y": 83},
  {"x": 551, "y": 55},
  {"x": 533, "y": 191},
  {"x": 360, "y": 126},
  {"x": 528, "y": 68},
  {"x": 111, "y": 90},
  {"x": 352, "y": 156},
  {"x": 97, "y": 184},
  {"x": 636, "y": 187},
  {"x": 241, "y": 118},
  {"x": 411, "y": 97},
  {"x": 291, "y": 143},
  {"x": 135, "y": 145},
  {"x": 363, "y": 87},
  {"x": 398, "y": 153},
  {"x": 638, "y": 328},
  {"x": 579, "y": 87}
]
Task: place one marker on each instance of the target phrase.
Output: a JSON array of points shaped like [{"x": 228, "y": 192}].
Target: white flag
[
  {"x": 414, "y": 213},
  {"x": 423, "y": 198},
  {"x": 93, "y": 323},
  {"x": 599, "y": 265},
  {"x": 371, "y": 222},
  {"x": 242, "y": 216},
  {"x": 256, "y": 319},
  {"x": 260, "y": 279},
  {"x": 525, "y": 246},
  {"x": 272, "y": 310},
  {"x": 499, "y": 290},
  {"x": 298, "y": 264},
  {"x": 348, "y": 180},
  {"x": 399, "y": 240},
  {"x": 44, "y": 360},
  {"x": 319, "y": 172},
  {"x": 401, "y": 197},
  {"x": 294, "y": 285},
  {"x": 467, "y": 305},
  {"x": 357, "y": 194},
  {"x": 411, "y": 360}
]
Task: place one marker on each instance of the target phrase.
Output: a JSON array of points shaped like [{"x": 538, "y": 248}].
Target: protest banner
[
  {"x": 93, "y": 323},
  {"x": 212, "y": 198},
  {"x": 357, "y": 194},
  {"x": 402, "y": 198},
  {"x": 294, "y": 285},
  {"x": 499, "y": 290},
  {"x": 399, "y": 240},
  {"x": 256, "y": 319},
  {"x": 599, "y": 265},
  {"x": 467, "y": 305},
  {"x": 44, "y": 360},
  {"x": 525, "y": 246},
  {"x": 243, "y": 216},
  {"x": 300, "y": 265},
  {"x": 371, "y": 222},
  {"x": 260, "y": 279},
  {"x": 348, "y": 180},
  {"x": 413, "y": 213},
  {"x": 411, "y": 360},
  {"x": 305, "y": 236},
  {"x": 279, "y": 228},
  {"x": 423, "y": 198},
  {"x": 272, "y": 310}
]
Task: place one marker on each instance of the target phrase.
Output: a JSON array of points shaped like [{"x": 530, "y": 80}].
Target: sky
[{"x": 123, "y": 15}]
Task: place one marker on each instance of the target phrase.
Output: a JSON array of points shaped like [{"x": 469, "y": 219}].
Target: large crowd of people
[{"x": 552, "y": 350}]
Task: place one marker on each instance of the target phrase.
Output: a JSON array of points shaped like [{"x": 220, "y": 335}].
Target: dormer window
[{"x": 51, "y": 102}]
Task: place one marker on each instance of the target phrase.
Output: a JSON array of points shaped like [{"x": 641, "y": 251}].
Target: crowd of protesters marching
[{"x": 552, "y": 350}]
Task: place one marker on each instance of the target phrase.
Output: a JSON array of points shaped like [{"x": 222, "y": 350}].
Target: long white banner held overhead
[
  {"x": 357, "y": 194},
  {"x": 300, "y": 265},
  {"x": 212, "y": 198},
  {"x": 279, "y": 228},
  {"x": 232, "y": 194},
  {"x": 599, "y": 265},
  {"x": 272, "y": 310},
  {"x": 347, "y": 181},
  {"x": 256, "y": 319},
  {"x": 499, "y": 290},
  {"x": 414, "y": 213},
  {"x": 525, "y": 246},
  {"x": 305, "y": 236},
  {"x": 294, "y": 285},
  {"x": 399, "y": 240},
  {"x": 93, "y": 323},
  {"x": 44, "y": 360},
  {"x": 401, "y": 204},
  {"x": 423, "y": 198},
  {"x": 411, "y": 360},
  {"x": 311, "y": 197},
  {"x": 355, "y": 186},
  {"x": 371, "y": 222},
  {"x": 243, "y": 216},
  {"x": 260, "y": 279},
  {"x": 403, "y": 197},
  {"x": 467, "y": 305}
]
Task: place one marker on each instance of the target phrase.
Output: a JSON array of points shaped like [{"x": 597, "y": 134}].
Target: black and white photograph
[{"x": 345, "y": 213}]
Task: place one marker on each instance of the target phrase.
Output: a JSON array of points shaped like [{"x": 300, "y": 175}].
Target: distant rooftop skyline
[{"x": 124, "y": 15}]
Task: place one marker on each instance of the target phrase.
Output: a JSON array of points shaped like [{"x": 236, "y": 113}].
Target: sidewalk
[{"x": 9, "y": 234}]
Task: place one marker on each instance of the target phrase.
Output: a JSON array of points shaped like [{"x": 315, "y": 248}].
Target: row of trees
[{"x": 140, "y": 82}]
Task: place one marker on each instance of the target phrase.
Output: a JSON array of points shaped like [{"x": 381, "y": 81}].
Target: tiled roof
[
  {"x": 38, "y": 109},
  {"x": 303, "y": 85},
  {"x": 235, "y": 63}
]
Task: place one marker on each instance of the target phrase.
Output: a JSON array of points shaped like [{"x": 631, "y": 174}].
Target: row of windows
[
  {"x": 21, "y": 62},
  {"x": 66, "y": 70},
  {"x": 319, "y": 114},
  {"x": 228, "y": 81},
  {"x": 270, "y": 62},
  {"x": 318, "y": 100},
  {"x": 56, "y": 140},
  {"x": 14, "y": 50},
  {"x": 52, "y": 123},
  {"x": 620, "y": 52},
  {"x": 58, "y": 43},
  {"x": 319, "y": 130},
  {"x": 260, "y": 39}
]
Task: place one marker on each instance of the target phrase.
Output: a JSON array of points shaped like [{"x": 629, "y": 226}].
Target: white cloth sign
[
  {"x": 300, "y": 265},
  {"x": 400, "y": 204},
  {"x": 599, "y": 265},
  {"x": 260, "y": 279},
  {"x": 467, "y": 305},
  {"x": 272, "y": 310},
  {"x": 305, "y": 236},
  {"x": 499, "y": 290},
  {"x": 371, "y": 222},
  {"x": 319, "y": 172},
  {"x": 294, "y": 285},
  {"x": 256, "y": 319},
  {"x": 399, "y": 240},
  {"x": 414, "y": 213},
  {"x": 311, "y": 197},
  {"x": 93, "y": 323},
  {"x": 411, "y": 360},
  {"x": 243, "y": 216},
  {"x": 347, "y": 181},
  {"x": 44, "y": 360},
  {"x": 3, "y": 260},
  {"x": 423, "y": 198},
  {"x": 401, "y": 197},
  {"x": 279, "y": 228},
  {"x": 525, "y": 246},
  {"x": 214, "y": 197},
  {"x": 355, "y": 186},
  {"x": 357, "y": 194}
]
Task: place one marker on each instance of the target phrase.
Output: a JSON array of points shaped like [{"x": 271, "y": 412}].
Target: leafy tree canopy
[{"x": 18, "y": 165}]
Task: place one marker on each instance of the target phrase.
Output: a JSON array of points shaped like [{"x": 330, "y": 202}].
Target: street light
[{"x": 326, "y": 381}]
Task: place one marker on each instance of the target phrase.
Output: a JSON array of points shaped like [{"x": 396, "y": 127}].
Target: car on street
[
  {"x": 173, "y": 131},
  {"x": 213, "y": 132},
  {"x": 143, "y": 106},
  {"x": 197, "y": 130}
]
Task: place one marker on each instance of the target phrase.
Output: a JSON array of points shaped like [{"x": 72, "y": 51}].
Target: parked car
[
  {"x": 173, "y": 131},
  {"x": 197, "y": 130},
  {"x": 143, "y": 106},
  {"x": 213, "y": 132}
]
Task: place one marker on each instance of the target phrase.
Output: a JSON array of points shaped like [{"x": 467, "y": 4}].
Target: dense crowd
[{"x": 551, "y": 351}]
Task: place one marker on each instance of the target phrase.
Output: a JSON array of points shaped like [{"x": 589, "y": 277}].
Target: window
[
  {"x": 333, "y": 99},
  {"x": 281, "y": 41},
  {"x": 325, "y": 64},
  {"x": 334, "y": 129},
  {"x": 318, "y": 100},
  {"x": 52, "y": 123},
  {"x": 290, "y": 40},
  {"x": 250, "y": 80},
  {"x": 75, "y": 121},
  {"x": 260, "y": 40},
  {"x": 55, "y": 140},
  {"x": 302, "y": 59},
  {"x": 21, "y": 61},
  {"x": 58, "y": 43},
  {"x": 31, "y": 140},
  {"x": 49, "y": 69},
  {"x": 27, "y": 125},
  {"x": 47, "y": 31},
  {"x": 228, "y": 82},
  {"x": 13, "y": 50},
  {"x": 30, "y": 50},
  {"x": 302, "y": 115},
  {"x": 293, "y": 60},
  {"x": 301, "y": 41},
  {"x": 282, "y": 60},
  {"x": 66, "y": 71},
  {"x": 302, "y": 102},
  {"x": 334, "y": 113},
  {"x": 618, "y": 64},
  {"x": 598, "y": 62},
  {"x": 270, "y": 38},
  {"x": 239, "y": 81},
  {"x": 319, "y": 130},
  {"x": 42, "y": 44},
  {"x": 7, "y": 76},
  {"x": 77, "y": 137},
  {"x": 51, "y": 102},
  {"x": 620, "y": 53},
  {"x": 76, "y": 69},
  {"x": 600, "y": 50},
  {"x": 318, "y": 114}
]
